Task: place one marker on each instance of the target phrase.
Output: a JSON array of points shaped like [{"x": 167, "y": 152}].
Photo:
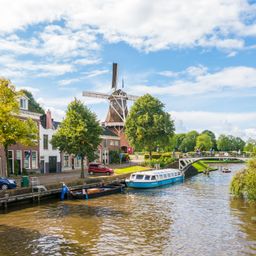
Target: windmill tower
[{"x": 117, "y": 111}]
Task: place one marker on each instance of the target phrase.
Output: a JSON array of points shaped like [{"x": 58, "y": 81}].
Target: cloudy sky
[{"x": 197, "y": 56}]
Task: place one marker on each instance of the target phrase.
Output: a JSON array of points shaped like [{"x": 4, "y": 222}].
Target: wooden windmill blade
[
  {"x": 114, "y": 76},
  {"x": 96, "y": 95}
]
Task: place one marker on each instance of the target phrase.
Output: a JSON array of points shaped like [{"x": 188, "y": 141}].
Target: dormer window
[{"x": 24, "y": 103}]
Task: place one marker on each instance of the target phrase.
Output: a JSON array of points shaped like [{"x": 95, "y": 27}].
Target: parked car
[
  {"x": 99, "y": 168},
  {"x": 6, "y": 183}
]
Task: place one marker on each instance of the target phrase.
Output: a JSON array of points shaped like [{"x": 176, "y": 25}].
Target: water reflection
[{"x": 193, "y": 218}]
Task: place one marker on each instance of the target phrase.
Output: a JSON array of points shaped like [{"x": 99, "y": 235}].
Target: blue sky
[{"x": 197, "y": 57}]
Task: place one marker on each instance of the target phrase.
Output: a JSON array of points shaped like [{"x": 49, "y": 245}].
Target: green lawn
[
  {"x": 131, "y": 169},
  {"x": 202, "y": 166}
]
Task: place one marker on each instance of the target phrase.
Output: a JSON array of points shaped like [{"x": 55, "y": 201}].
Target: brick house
[{"x": 21, "y": 157}]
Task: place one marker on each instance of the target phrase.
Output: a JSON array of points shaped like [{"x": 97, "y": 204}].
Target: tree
[
  {"x": 79, "y": 133},
  {"x": 204, "y": 142},
  {"x": 230, "y": 143},
  {"x": 213, "y": 138},
  {"x": 189, "y": 142},
  {"x": 12, "y": 129},
  {"x": 250, "y": 145},
  {"x": 175, "y": 141},
  {"x": 33, "y": 106},
  {"x": 148, "y": 126},
  {"x": 224, "y": 143},
  {"x": 237, "y": 144}
]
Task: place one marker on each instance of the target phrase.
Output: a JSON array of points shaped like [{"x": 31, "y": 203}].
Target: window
[
  {"x": 133, "y": 177},
  {"x": 147, "y": 177},
  {"x": 153, "y": 178},
  {"x": 66, "y": 161},
  {"x": 45, "y": 141},
  {"x": 18, "y": 154},
  {"x": 27, "y": 160},
  {"x": 34, "y": 159},
  {"x": 111, "y": 143},
  {"x": 23, "y": 103},
  {"x": 117, "y": 143},
  {"x": 139, "y": 177}
]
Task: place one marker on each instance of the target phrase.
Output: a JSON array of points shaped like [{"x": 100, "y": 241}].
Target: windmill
[{"x": 118, "y": 110}]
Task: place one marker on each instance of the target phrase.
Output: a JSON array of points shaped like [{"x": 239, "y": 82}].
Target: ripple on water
[{"x": 197, "y": 217}]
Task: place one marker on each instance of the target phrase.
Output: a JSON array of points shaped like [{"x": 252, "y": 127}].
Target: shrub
[
  {"x": 114, "y": 157},
  {"x": 243, "y": 183}
]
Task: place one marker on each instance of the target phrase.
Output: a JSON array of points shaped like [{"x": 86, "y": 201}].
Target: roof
[
  {"x": 108, "y": 132},
  {"x": 157, "y": 172}
]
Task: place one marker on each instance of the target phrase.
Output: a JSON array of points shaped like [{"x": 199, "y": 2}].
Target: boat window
[
  {"x": 153, "y": 177},
  {"x": 133, "y": 176},
  {"x": 169, "y": 175},
  {"x": 139, "y": 177},
  {"x": 147, "y": 177},
  {"x": 165, "y": 176},
  {"x": 161, "y": 176}
]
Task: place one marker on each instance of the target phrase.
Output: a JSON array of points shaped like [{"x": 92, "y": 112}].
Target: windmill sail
[{"x": 114, "y": 76}]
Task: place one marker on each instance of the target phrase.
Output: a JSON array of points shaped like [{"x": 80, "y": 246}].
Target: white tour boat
[{"x": 155, "y": 178}]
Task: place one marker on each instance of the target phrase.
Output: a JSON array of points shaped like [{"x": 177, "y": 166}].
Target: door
[
  {"x": 52, "y": 164},
  {"x": 42, "y": 166}
]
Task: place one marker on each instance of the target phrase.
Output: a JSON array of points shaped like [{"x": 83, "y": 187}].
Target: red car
[{"x": 99, "y": 168}]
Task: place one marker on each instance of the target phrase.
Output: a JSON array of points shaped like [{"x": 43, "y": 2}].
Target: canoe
[{"x": 88, "y": 193}]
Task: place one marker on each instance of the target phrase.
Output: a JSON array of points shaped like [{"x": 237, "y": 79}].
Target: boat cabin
[{"x": 155, "y": 175}]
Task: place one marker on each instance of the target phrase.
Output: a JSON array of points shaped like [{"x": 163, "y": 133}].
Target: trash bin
[{"x": 25, "y": 181}]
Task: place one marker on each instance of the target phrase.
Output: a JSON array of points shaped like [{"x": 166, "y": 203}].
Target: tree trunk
[
  {"x": 150, "y": 155},
  {"x": 82, "y": 167},
  {"x": 6, "y": 159}
]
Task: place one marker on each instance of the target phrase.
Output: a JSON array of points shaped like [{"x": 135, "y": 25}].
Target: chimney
[{"x": 48, "y": 119}]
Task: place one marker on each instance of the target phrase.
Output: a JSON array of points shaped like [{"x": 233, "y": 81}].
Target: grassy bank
[
  {"x": 223, "y": 161},
  {"x": 201, "y": 166},
  {"x": 131, "y": 169}
]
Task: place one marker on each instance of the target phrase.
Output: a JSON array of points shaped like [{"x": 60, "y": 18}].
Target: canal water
[{"x": 197, "y": 217}]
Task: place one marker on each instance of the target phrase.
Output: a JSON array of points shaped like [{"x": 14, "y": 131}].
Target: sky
[{"x": 198, "y": 57}]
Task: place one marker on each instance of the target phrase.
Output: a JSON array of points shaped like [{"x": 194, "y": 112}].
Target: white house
[{"x": 50, "y": 158}]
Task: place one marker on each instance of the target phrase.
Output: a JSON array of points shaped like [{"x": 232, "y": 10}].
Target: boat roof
[{"x": 158, "y": 172}]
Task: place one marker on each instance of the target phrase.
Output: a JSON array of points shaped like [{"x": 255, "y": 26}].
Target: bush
[
  {"x": 114, "y": 157},
  {"x": 243, "y": 183},
  {"x": 163, "y": 161}
]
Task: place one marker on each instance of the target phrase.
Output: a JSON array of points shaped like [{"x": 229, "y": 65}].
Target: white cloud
[
  {"x": 237, "y": 124},
  {"x": 94, "y": 73},
  {"x": 235, "y": 78},
  {"x": 146, "y": 25}
]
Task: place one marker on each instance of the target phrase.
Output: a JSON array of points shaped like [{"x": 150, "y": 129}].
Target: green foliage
[
  {"x": 189, "y": 142},
  {"x": 243, "y": 183},
  {"x": 147, "y": 125},
  {"x": 33, "y": 106},
  {"x": 230, "y": 143},
  {"x": 250, "y": 146},
  {"x": 79, "y": 133},
  {"x": 213, "y": 138},
  {"x": 164, "y": 161},
  {"x": 12, "y": 129},
  {"x": 114, "y": 157},
  {"x": 204, "y": 142}
]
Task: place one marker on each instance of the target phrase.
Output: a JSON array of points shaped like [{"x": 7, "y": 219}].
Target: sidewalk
[{"x": 72, "y": 175}]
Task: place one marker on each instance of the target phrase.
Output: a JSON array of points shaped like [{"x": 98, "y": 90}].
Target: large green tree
[
  {"x": 13, "y": 129},
  {"x": 79, "y": 133},
  {"x": 213, "y": 138},
  {"x": 189, "y": 142},
  {"x": 230, "y": 143},
  {"x": 33, "y": 106},
  {"x": 148, "y": 126},
  {"x": 204, "y": 142}
]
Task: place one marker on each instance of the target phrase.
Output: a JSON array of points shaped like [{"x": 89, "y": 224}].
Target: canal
[{"x": 197, "y": 217}]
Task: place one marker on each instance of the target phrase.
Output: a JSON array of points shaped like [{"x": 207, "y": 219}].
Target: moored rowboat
[{"x": 88, "y": 193}]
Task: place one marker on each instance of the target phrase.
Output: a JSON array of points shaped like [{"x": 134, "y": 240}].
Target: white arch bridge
[{"x": 184, "y": 163}]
